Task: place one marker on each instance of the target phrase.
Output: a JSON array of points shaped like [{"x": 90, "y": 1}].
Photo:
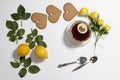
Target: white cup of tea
[{"x": 78, "y": 33}]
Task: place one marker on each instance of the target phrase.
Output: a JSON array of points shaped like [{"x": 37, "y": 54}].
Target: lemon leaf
[
  {"x": 9, "y": 24},
  {"x": 42, "y": 43},
  {"x": 10, "y": 33},
  {"x": 20, "y": 11},
  {"x": 22, "y": 59},
  {"x": 29, "y": 35},
  {"x": 26, "y": 16},
  {"x": 15, "y": 64},
  {"x": 20, "y": 37},
  {"x": 27, "y": 62},
  {"x": 14, "y": 25},
  {"x": 39, "y": 38},
  {"x": 32, "y": 44},
  {"x": 29, "y": 39},
  {"x": 20, "y": 32},
  {"x": 22, "y": 72},
  {"x": 33, "y": 69},
  {"x": 12, "y": 38},
  {"x": 15, "y": 16},
  {"x": 34, "y": 32}
]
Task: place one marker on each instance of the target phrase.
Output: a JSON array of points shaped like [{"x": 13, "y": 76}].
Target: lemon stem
[
  {"x": 16, "y": 61},
  {"x": 16, "y": 41},
  {"x": 21, "y": 22}
]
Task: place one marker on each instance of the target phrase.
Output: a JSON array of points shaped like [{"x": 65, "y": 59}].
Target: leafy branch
[
  {"x": 21, "y": 14},
  {"x": 14, "y": 33},
  {"x": 34, "y": 39},
  {"x": 26, "y": 66},
  {"x": 99, "y": 29}
]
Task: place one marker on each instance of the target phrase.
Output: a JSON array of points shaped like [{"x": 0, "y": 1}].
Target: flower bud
[
  {"x": 83, "y": 12},
  {"x": 93, "y": 15},
  {"x": 106, "y": 27},
  {"x": 100, "y": 22}
]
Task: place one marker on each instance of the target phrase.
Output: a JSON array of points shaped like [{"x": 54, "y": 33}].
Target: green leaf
[
  {"x": 20, "y": 37},
  {"x": 14, "y": 25},
  {"x": 14, "y": 64},
  {"x": 26, "y": 16},
  {"x": 29, "y": 35},
  {"x": 9, "y": 24},
  {"x": 15, "y": 16},
  {"x": 22, "y": 59},
  {"x": 10, "y": 33},
  {"x": 27, "y": 62},
  {"x": 34, "y": 32},
  {"x": 21, "y": 11},
  {"x": 29, "y": 39},
  {"x": 33, "y": 69},
  {"x": 105, "y": 33},
  {"x": 20, "y": 32},
  {"x": 12, "y": 38},
  {"x": 39, "y": 38},
  {"x": 22, "y": 72},
  {"x": 32, "y": 44},
  {"x": 42, "y": 43},
  {"x": 95, "y": 28}
]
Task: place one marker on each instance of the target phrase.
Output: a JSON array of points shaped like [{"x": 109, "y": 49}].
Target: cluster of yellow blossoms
[{"x": 94, "y": 15}]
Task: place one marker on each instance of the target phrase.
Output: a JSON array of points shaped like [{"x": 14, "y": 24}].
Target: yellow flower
[
  {"x": 83, "y": 12},
  {"x": 100, "y": 22},
  {"x": 93, "y": 15},
  {"x": 107, "y": 27}
]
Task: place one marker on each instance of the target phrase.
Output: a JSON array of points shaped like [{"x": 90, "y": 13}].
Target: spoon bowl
[{"x": 93, "y": 59}]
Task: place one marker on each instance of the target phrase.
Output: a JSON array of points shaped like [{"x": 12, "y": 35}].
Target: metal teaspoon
[
  {"x": 80, "y": 60},
  {"x": 92, "y": 60}
]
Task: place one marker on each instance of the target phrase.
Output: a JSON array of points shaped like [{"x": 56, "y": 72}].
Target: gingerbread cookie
[
  {"x": 53, "y": 13},
  {"x": 39, "y": 19},
  {"x": 69, "y": 12}
]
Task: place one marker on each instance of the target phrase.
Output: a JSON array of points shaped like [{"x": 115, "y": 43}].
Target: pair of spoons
[{"x": 81, "y": 61}]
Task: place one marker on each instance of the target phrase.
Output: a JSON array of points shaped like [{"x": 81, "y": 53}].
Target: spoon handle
[
  {"x": 65, "y": 64},
  {"x": 79, "y": 67}
]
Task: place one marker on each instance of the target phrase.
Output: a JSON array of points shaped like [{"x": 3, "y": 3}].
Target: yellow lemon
[
  {"x": 41, "y": 52},
  {"x": 100, "y": 22},
  {"x": 23, "y": 50},
  {"x": 107, "y": 27},
  {"x": 93, "y": 15},
  {"x": 83, "y": 12}
]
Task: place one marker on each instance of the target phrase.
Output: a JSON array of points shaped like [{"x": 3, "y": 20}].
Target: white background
[{"x": 106, "y": 68}]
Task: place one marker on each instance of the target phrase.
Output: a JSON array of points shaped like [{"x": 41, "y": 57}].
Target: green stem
[
  {"x": 16, "y": 61},
  {"x": 96, "y": 40},
  {"x": 21, "y": 22},
  {"x": 31, "y": 30},
  {"x": 17, "y": 41}
]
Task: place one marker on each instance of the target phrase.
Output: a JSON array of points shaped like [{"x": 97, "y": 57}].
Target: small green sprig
[
  {"x": 14, "y": 33},
  {"x": 34, "y": 39},
  {"x": 26, "y": 66},
  {"x": 21, "y": 14},
  {"x": 99, "y": 29}
]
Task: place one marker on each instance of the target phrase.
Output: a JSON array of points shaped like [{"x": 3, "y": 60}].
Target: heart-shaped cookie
[
  {"x": 39, "y": 19},
  {"x": 69, "y": 12},
  {"x": 53, "y": 13}
]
